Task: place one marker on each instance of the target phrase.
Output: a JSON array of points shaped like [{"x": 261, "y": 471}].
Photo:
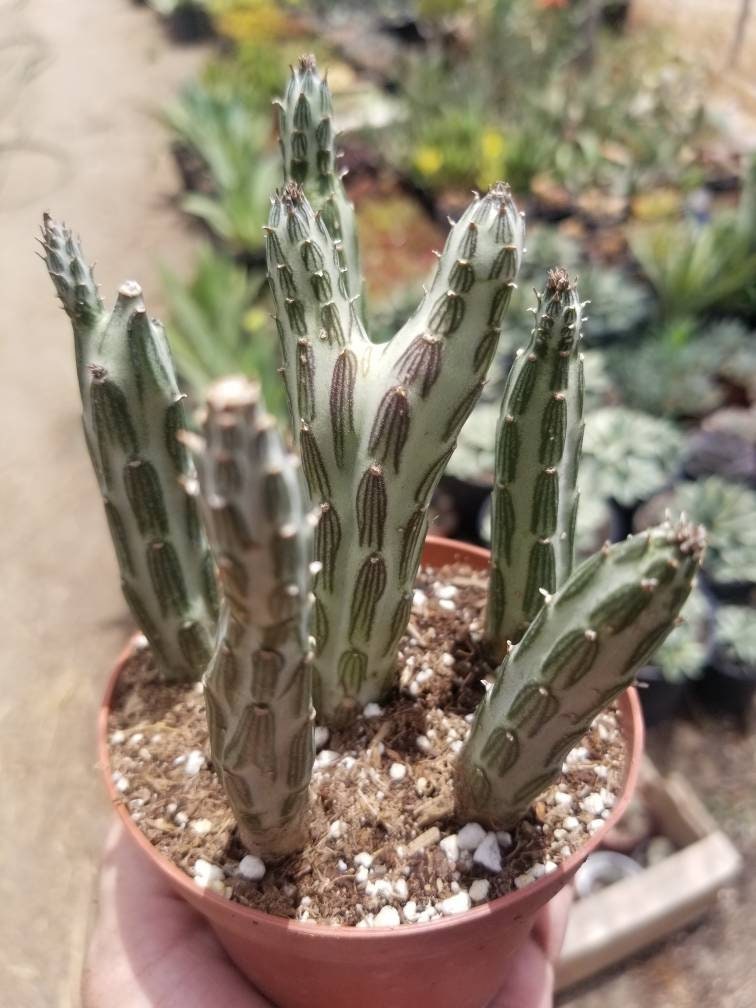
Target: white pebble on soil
[
  {"x": 450, "y": 846},
  {"x": 337, "y": 829},
  {"x": 455, "y": 904},
  {"x": 372, "y": 710},
  {"x": 423, "y": 743},
  {"x": 181, "y": 818},
  {"x": 593, "y": 804},
  {"x": 208, "y": 876},
  {"x": 570, "y": 822},
  {"x": 504, "y": 839},
  {"x": 387, "y": 916},
  {"x": 410, "y": 911},
  {"x": 401, "y": 891},
  {"x": 397, "y": 771},
  {"x": 194, "y": 762},
  {"x": 200, "y": 826},
  {"x": 118, "y": 738},
  {"x": 326, "y": 758},
  {"x": 446, "y": 591},
  {"x": 470, "y": 836},
  {"x": 447, "y": 604},
  {"x": 595, "y": 824},
  {"x": 363, "y": 859},
  {"x": 479, "y": 890},
  {"x": 447, "y": 659},
  {"x": 251, "y": 868},
  {"x": 487, "y": 853},
  {"x": 562, "y": 798},
  {"x": 321, "y": 735},
  {"x": 419, "y": 598}
]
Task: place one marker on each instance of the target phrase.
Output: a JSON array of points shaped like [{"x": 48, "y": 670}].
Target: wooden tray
[{"x": 636, "y": 912}]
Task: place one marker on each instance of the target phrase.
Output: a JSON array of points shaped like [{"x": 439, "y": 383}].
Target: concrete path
[{"x": 78, "y": 86}]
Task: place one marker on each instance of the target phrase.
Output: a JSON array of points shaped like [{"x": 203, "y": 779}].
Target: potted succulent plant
[
  {"x": 498, "y": 719},
  {"x": 730, "y": 680},
  {"x": 681, "y": 658}
]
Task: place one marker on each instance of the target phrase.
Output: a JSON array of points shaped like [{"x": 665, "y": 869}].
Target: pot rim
[{"x": 630, "y": 709}]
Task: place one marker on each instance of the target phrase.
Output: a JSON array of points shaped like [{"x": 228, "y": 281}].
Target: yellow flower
[
  {"x": 428, "y": 160},
  {"x": 249, "y": 20},
  {"x": 491, "y": 145},
  {"x": 492, "y": 149}
]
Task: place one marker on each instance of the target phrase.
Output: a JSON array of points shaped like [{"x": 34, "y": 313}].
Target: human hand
[{"x": 149, "y": 948}]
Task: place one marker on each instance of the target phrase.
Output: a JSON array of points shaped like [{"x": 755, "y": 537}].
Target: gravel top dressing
[{"x": 384, "y": 847}]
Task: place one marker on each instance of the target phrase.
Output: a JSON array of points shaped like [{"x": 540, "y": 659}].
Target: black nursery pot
[
  {"x": 727, "y": 686},
  {"x": 661, "y": 700},
  {"x": 189, "y": 24}
]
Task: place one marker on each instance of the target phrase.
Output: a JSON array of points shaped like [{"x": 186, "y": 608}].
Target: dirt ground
[
  {"x": 78, "y": 86},
  {"x": 79, "y": 83}
]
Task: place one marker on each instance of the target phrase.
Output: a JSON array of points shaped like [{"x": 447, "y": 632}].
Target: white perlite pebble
[
  {"x": 122, "y": 784},
  {"x": 595, "y": 824},
  {"x": 570, "y": 822},
  {"x": 447, "y": 659},
  {"x": 423, "y": 743},
  {"x": 593, "y": 804},
  {"x": 326, "y": 758},
  {"x": 321, "y": 736},
  {"x": 487, "y": 853},
  {"x": 387, "y": 916},
  {"x": 380, "y": 889},
  {"x": 470, "y": 836},
  {"x": 181, "y": 818},
  {"x": 562, "y": 798},
  {"x": 397, "y": 771},
  {"x": 201, "y": 826},
  {"x": 194, "y": 762},
  {"x": 455, "y": 904},
  {"x": 372, "y": 710},
  {"x": 251, "y": 867},
  {"x": 337, "y": 829},
  {"x": 401, "y": 890},
  {"x": 450, "y": 846},
  {"x": 479, "y": 890},
  {"x": 118, "y": 738},
  {"x": 447, "y": 604},
  {"x": 362, "y": 875},
  {"x": 456, "y": 745},
  {"x": 208, "y": 876},
  {"x": 446, "y": 591},
  {"x": 419, "y": 598},
  {"x": 363, "y": 859},
  {"x": 504, "y": 839},
  {"x": 522, "y": 880},
  {"x": 410, "y": 911}
]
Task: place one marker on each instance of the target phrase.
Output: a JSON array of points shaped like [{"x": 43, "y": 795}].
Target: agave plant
[
  {"x": 233, "y": 146},
  {"x": 694, "y": 267},
  {"x": 373, "y": 426},
  {"x": 217, "y": 325}
]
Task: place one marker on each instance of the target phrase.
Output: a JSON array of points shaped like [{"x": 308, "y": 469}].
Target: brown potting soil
[{"x": 381, "y": 790}]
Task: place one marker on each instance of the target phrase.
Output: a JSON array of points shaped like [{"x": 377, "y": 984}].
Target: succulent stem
[
  {"x": 538, "y": 444},
  {"x": 258, "y": 687},
  {"x": 132, "y": 414},
  {"x": 580, "y": 652}
]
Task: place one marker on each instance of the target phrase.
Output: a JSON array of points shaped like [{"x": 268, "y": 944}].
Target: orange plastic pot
[{"x": 458, "y": 962}]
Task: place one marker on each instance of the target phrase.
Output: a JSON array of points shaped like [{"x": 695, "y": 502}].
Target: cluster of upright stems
[{"x": 316, "y": 582}]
